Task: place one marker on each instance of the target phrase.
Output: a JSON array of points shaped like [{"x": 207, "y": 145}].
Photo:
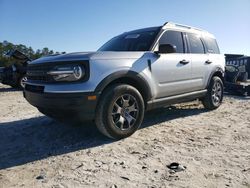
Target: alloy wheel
[
  {"x": 125, "y": 111},
  {"x": 216, "y": 93},
  {"x": 23, "y": 80}
]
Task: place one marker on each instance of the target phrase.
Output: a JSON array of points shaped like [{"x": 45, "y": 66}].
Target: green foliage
[{"x": 6, "y": 46}]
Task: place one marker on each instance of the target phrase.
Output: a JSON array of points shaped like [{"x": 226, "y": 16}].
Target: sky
[{"x": 84, "y": 25}]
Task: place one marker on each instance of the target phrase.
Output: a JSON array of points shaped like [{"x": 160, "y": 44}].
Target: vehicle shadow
[
  {"x": 169, "y": 113},
  {"x": 9, "y": 89},
  {"x": 37, "y": 138}
]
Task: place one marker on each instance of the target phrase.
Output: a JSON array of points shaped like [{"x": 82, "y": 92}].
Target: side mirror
[{"x": 166, "y": 48}]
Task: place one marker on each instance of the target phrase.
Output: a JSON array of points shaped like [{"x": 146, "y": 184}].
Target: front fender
[{"x": 138, "y": 79}]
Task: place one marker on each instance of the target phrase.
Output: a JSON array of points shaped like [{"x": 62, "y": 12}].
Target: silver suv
[{"x": 136, "y": 71}]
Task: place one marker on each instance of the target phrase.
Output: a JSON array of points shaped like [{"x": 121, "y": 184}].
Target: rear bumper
[{"x": 77, "y": 104}]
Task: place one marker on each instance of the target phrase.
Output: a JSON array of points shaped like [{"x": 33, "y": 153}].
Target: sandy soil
[{"x": 36, "y": 151}]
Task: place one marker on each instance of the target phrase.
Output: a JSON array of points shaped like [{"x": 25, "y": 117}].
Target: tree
[
  {"x": 6, "y": 46},
  {"x": 45, "y": 51}
]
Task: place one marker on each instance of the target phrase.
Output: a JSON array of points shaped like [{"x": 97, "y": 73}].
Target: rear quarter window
[{"x": 212, "y": 46}]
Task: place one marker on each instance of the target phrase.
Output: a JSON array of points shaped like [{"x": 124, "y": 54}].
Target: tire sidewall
[
  {"x": 111, "y": 97},
  {"x": 20, "y": 81},
  {"x": 214, "y": 81}
]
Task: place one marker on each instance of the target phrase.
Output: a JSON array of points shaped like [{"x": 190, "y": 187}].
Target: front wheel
[
  {"x": 214, "y": 96},
  {"x": 120, "y": 111},
  {"x": 21, "y": 82}
]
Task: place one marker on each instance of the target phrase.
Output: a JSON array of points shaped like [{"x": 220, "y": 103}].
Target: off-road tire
[
  {"x": 104, "y": 119},
  {"x": 208, "y": 101}
]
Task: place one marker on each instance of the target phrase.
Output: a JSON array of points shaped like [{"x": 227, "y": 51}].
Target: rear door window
[{"x": 195, "y": 44}]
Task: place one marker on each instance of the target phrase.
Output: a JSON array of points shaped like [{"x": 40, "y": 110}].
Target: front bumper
[{"x": 78, "y": 104}]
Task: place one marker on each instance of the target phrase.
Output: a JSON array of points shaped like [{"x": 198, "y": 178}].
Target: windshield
[{"x": 139, "y": 40}]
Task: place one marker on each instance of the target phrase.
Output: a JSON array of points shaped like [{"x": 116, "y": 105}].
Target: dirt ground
[{"x": 36, "y": 151}]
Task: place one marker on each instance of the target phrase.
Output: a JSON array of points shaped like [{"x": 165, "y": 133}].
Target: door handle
[
  {"x": 184, "y": 62},
  {"x": 208, "y": 62}
]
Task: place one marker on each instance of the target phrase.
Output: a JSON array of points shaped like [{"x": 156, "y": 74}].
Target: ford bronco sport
[{"x": 136, "y": 71}]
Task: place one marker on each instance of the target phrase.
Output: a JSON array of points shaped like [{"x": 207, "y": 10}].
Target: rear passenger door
[
  {"x": 200, "y": 61},
  {"x": 172, "y": 71},
  {"x": 214, "y": 56}
]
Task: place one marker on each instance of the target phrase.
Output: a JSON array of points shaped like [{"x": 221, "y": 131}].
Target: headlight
[{"x": 67, "y": 73}]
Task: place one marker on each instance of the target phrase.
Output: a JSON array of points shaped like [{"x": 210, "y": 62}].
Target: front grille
[{"x": 39, "y": 73}]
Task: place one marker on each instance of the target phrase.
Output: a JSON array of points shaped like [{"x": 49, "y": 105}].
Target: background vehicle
[
  {"x": 237, "y": 77},
  {"x": 133, "y": 72},
  {"x": 15, "y": 74}
]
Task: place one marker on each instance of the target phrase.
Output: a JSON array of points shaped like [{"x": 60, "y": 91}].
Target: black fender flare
[
  {"x": 216, "y": 70},
  {"x": 138, "y": 79}
]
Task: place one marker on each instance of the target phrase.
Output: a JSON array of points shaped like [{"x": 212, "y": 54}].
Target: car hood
[{"x": 78, "y": 56}]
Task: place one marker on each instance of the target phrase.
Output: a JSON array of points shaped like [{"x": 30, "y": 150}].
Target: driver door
[{"x": 172, "y": 71}]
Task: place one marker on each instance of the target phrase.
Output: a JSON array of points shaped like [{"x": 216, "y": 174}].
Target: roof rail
[{"x": 181, "y": 25}]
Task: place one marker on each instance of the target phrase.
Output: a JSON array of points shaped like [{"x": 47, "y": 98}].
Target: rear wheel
[
  {"x": 214, "y": 96},
  {"x": 120, "y": 111}
]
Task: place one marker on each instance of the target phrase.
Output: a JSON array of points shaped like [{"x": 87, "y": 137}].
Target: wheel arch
[
  {"x": 217, "y": 72},
  {"x": 127, "y": 77}
]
